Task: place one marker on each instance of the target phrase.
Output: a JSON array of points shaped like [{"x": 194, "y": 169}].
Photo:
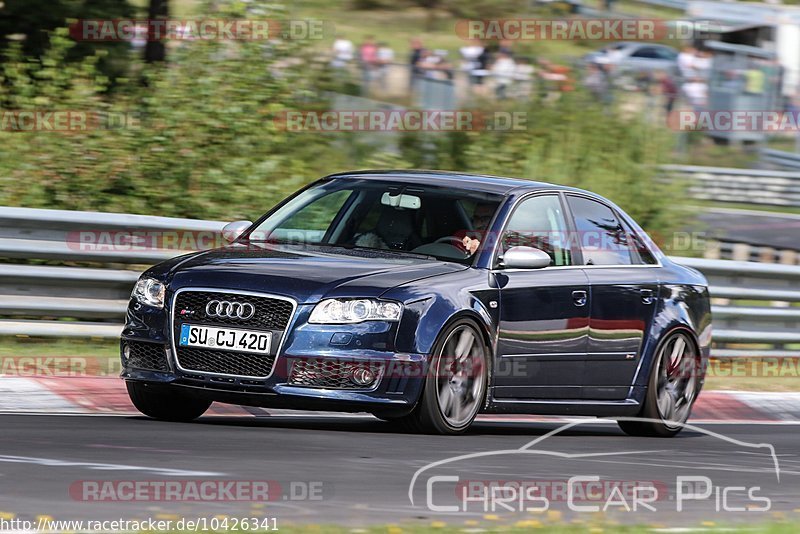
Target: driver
[{"x": 480, "y": 222}]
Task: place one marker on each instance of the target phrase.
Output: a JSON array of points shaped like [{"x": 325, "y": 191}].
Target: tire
[
  {"x": 672, "y": 388},
  {"x": 456, "y": 383},
  {"x": 165, "y": 404}
]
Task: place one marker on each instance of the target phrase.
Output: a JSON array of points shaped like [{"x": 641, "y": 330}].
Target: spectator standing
[
  {"x": 470, "y": 59},
  {"x": 686, "y": 63},
  {"x": 702, "y": 64},
  {"x": 503, "y": 74},
  {"x": 343, "y": 51},
  {"x": 385, "y": 57},
  {"x": 523, "y": 75},
  {"x": 669, "y": 91},
  {"x": 368, "y": 61},
  {"x": 598, "y": 83},
  {"x": 696, "y": 92},
  {"x": 505, "y": 48},
  {"x": 414, "y": 60}
]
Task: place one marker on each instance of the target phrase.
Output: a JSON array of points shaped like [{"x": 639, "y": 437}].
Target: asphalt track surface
[{"x": 359, "y": 468}]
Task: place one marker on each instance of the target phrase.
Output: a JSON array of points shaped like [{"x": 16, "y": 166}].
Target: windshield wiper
[{"x": 390, "y": 251}]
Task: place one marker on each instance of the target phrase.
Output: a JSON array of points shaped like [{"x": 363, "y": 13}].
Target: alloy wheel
[
  {"x": 676, "y": 385},
  {"x": 460, "y": 376}
]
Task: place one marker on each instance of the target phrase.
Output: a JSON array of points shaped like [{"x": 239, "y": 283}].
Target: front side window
[{"x": 539, "y": 222}]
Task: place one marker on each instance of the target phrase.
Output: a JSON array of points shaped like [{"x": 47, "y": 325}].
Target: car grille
[
  {"x": 271, "y": 314},
  {"x": 225, "y": 362},
  {"x": 329, "y": 373},
  {"x": 149, "y": 356}
]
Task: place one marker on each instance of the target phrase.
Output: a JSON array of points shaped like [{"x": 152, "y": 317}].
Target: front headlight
[
  {"x": 149, "y": 291},
  {"x": 340, "y": 311}
]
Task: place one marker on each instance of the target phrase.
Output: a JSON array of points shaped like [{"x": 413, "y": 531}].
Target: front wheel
[
  {"x": 165, "y": 404},
  {"x": 455, "y": 387},
  {"x": 672, "y": 390}
]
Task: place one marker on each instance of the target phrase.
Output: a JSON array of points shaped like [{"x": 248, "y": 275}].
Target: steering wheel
[{"x": 451, "y": 240}]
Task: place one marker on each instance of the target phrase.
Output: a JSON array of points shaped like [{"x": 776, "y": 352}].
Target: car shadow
[{"x": 368, "y": 424}]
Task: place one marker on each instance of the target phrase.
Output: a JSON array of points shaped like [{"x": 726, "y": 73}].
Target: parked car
[
  {"x": 425, "y": 298},
  {"x": 632, "y": 60}
]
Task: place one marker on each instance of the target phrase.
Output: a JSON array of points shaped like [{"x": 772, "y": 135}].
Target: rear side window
[
  {"x": 640, "y": 254},
  {"x": 603, "y": 239}
]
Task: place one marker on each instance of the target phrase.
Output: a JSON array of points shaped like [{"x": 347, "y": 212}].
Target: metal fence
[
  {"x": 780, "y": 159},
  {"x": 100, "y": 256},
  {"x": 743, "y": 186},
  {"x": 79, "y": 267}
]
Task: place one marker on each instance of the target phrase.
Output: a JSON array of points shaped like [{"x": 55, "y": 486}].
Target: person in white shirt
[
  {"x": 343, "y": 51},
  {"x": 686, "y": 63},
  {"x": 702, "y": 65},
  {"x": 385, "y": 58},
  {"x": 696, "y": 92},
  {"x": 470, "y": 58},
  {"x": 503, "y": 74}
]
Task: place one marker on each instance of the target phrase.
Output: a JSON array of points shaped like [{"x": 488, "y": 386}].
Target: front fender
[{"x": 442, "y": 300}]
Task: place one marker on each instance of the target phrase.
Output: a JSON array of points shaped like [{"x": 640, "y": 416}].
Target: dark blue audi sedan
[{"x": 425, "y": 298}]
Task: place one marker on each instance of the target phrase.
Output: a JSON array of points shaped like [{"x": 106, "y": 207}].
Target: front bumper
[{"x": 309, "y": 347}]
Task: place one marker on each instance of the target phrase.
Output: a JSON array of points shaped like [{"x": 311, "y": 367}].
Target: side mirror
[
  {"x": 525, "y": 258},
  {"x": 232, "y": 230}
]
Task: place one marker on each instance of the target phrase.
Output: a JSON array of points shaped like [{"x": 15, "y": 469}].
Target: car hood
[{"x": 306, "y": 274}]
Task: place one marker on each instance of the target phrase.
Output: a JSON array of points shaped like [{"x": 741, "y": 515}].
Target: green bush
[{"x": 206, "y": 144}]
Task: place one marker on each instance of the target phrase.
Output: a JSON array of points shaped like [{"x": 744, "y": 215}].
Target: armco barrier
[
  {"x": 741, "y": 186},
  {"x": 754, "y": 312}
]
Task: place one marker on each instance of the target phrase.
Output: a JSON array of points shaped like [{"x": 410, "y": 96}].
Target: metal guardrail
[
  {"x": 752, "y": 305},
  {"x": 679, "y": 5},
  {"x": 780, "y": 159},
  {"x": 752, "y": 301},
  {"x": 743, "y": 186}
]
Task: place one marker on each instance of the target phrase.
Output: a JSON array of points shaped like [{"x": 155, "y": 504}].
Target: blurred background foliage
[{"x": 206, "y": 144}]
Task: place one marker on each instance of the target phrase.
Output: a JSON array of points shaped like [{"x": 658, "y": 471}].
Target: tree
[
  {"x": 31, "y": 23},
  {"x": 155, "y": 49}
]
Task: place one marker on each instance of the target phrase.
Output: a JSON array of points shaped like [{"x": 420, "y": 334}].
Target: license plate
[{"x": 233, "y": 339}]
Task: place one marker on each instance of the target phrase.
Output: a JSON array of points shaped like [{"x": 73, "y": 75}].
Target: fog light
[
  {"x": 126, "y": 353},
  {"x": 362, "y": 376}
]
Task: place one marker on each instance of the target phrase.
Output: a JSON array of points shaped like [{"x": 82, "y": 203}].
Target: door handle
[
  {"x": 647, "y": 296},
  {"x": 579, "y": 298}
]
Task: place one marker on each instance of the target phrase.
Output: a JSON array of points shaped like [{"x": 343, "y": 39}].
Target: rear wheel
[
  {"x": 164, "y": 403},
  {"x": 455, "y": 387},
  {"x": 673, "y": 388}
]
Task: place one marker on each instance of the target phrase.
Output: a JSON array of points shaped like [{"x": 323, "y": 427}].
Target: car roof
[
  {"x": 474, "y": 182},
  {"x": 636, "y": 44}
]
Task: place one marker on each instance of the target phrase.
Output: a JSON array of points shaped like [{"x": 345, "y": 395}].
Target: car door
[
  {"x": 544, "y": 313},
  {"x": 623, "y": 296}
]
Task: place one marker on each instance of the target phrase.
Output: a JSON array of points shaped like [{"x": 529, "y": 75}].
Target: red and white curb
[{"x": 107, "y": 395}]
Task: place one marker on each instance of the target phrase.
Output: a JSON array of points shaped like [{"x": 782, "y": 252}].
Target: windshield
[{"x": 443, "y": 223}]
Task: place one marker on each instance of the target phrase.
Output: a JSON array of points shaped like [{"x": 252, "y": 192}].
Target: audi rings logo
[{"x": 230, "y": 310}]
